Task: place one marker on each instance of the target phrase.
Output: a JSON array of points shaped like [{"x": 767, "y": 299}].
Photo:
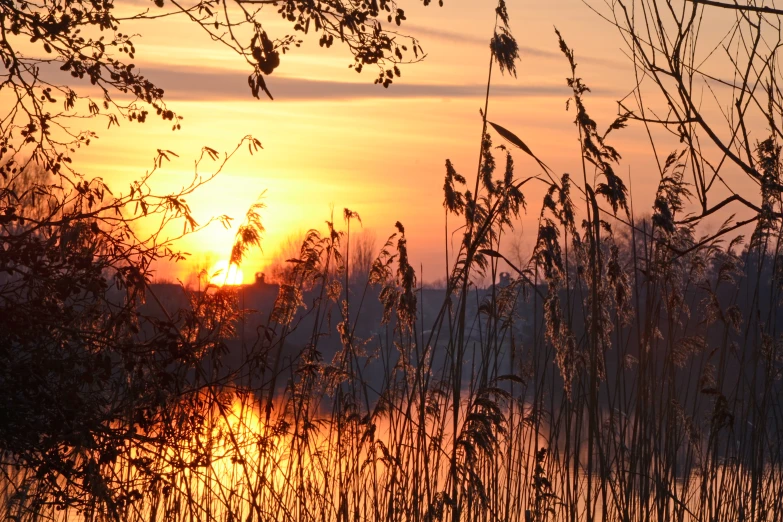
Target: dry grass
[{"x": 628, "y": 372}]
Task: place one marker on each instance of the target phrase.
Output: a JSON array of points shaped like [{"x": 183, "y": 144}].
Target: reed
[{"x": 628, "y": 371}]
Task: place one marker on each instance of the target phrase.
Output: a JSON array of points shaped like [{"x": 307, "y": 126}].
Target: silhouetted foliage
[
  {"x": 50, "y": 49},
  {"x": 88, "y": 378},
  {"x": 630, "y": 369}
]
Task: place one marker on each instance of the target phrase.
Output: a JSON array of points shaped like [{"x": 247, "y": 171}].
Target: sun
[{"x": 223, "y": 273}]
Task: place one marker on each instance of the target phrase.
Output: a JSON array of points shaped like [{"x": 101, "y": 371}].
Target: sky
[{"x": 333, "y": 140}]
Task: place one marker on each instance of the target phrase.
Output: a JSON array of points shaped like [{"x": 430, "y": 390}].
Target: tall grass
[{"x": 630, "y": 371}]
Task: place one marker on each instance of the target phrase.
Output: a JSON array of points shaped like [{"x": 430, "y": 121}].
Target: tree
[
  {"x": 90, "y": 379},
  {"x": 39, "y": 41},
  {"x": 279, "y": 268},
  {"x": 363, "y": 253},
  {"x": 720, "y": 98}
]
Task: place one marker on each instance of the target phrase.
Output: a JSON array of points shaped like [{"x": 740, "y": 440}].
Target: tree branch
[{"x": 754, "y": 8}]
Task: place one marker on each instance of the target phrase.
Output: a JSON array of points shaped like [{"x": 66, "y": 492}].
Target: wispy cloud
[
  {"x": 186, "y": 84},
  {"x": 422, "y": 33}
]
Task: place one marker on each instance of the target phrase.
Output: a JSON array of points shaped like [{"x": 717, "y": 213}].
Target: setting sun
[
  {"x": 506, "y": 261},
  {"x": 224, "y": 273}
]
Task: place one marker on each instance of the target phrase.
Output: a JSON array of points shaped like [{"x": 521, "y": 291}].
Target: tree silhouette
[
  {"x": 41, "y": 42},
  {"x": 92, "y": 378},
  {"x": 88, "y": 377},
  {"x": 731, "y": 136}
]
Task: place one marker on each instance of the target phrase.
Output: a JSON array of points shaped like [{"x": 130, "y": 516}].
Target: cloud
[
  {"x": 187, "y": 84},
  {"x": 420, "y": 32}
]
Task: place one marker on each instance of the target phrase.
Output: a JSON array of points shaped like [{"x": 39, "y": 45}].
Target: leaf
[
  {"x": 514, "y": 140},
  {"x": 490, "y": 253},
  {"x": 510, "y": 377},
  {"x": 213, "y": 154}
]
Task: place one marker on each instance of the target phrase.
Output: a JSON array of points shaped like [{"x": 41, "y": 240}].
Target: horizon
[{"x": 202, "y": 319}]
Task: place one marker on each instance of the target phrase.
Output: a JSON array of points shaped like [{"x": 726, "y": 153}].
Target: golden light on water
[
  {"x": 231, "y": 462},
  {"x": 224, "y": 273}
]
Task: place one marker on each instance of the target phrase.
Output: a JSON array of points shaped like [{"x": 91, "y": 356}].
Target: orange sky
[{"x": 333, "y": 139}]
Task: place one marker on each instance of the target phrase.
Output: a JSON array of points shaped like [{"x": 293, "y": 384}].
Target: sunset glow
[
  {"x": 332, "y": 139},
  {"x": 225, "y": 274},
  {"x": 525, "y": 266}
]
